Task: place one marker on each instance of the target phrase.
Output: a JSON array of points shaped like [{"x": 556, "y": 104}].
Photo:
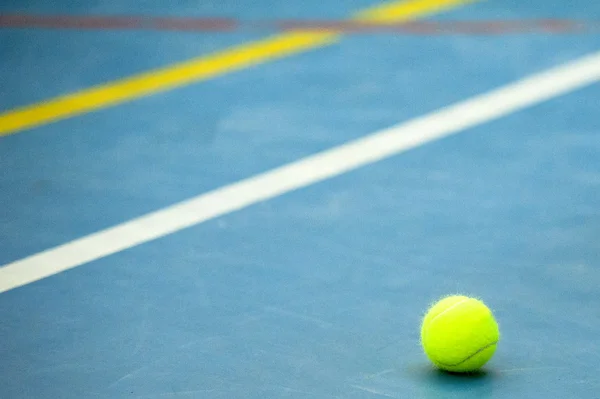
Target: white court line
[{"x": 307, "y": 171}]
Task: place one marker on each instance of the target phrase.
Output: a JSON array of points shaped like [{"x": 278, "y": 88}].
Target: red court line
[
  {"x": 446, "y": 27},
  {"x": 115, "y": 22},
  {"x": 210, "y": 24}
]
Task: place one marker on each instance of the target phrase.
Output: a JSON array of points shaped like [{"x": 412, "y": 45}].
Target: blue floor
[{"x": 317, "y": 293}]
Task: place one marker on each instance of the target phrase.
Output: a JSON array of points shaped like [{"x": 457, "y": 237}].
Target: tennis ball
[{"x": 459, "y": 334}]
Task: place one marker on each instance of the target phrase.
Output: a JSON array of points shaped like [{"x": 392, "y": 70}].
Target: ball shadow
[{"x": 437, "y": 383}]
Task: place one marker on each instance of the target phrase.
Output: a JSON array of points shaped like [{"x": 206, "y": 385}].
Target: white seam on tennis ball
[
  {"x": 427, "y": 326},
  {"x": 446, "y": 310},
  {"x": 478, "y": 351}
]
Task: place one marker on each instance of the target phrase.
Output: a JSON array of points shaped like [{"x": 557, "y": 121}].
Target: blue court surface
[{"x": 316, "y": 290}]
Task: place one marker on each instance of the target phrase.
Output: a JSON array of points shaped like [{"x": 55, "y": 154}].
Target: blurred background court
[{"x": 113, "y": 110}]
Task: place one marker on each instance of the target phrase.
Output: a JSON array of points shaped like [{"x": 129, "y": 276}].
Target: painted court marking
[
  {"x": 205, "y": 67},
  {"x": 226, "y": 25},
  {"x": 333, "y": 162}
]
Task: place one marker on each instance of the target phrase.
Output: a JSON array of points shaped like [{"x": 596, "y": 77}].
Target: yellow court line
[{"x": 204, "y": 67}]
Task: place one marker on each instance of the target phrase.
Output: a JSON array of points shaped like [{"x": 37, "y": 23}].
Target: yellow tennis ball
[{"x": 459, "y": 334}]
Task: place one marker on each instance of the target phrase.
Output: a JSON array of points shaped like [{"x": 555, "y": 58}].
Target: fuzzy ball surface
[{"x": 459, "y": 334}]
